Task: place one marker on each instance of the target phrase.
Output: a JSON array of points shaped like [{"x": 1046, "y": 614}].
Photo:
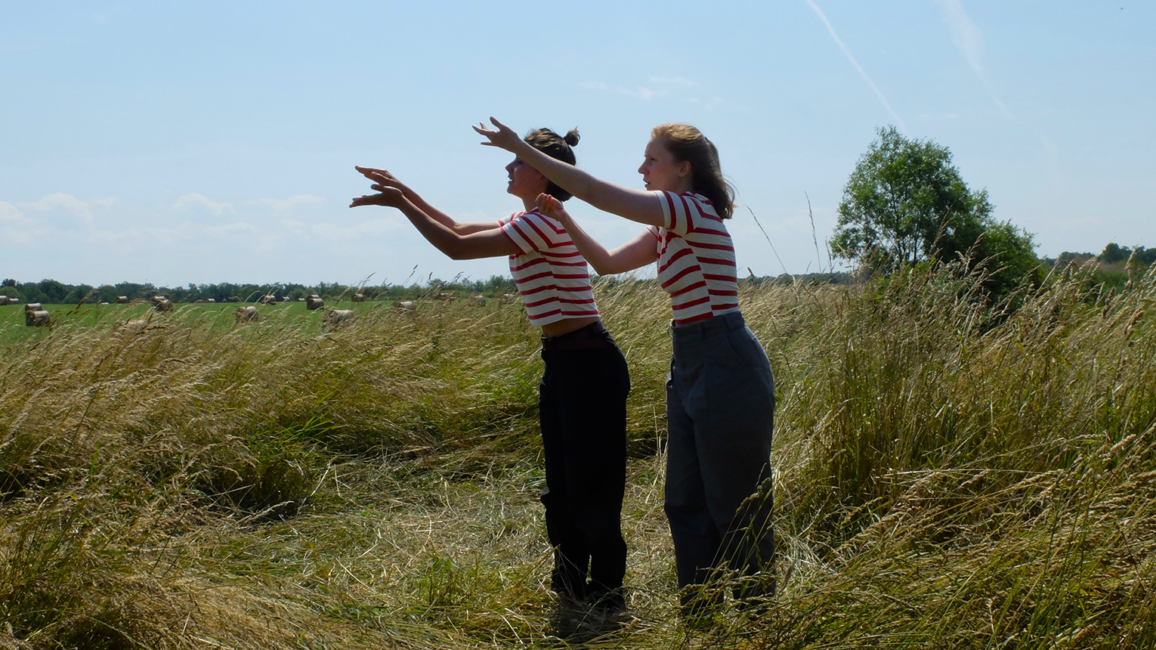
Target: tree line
[
  {"x": 59, "y": 293},
  {"x": 905, "y": 204}
]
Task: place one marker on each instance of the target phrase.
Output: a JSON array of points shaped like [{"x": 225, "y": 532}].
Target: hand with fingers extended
[
  {"x": 384, "y": 178},
  {"x": 503, "y": 137},
  {"x": 553, "y": 208},
  {"x": 389, "y": 196}
]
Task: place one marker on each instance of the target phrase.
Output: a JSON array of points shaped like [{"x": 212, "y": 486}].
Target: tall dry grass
[{"x": 948, "y": 474}]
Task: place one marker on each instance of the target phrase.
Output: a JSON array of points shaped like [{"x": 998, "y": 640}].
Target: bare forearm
[
  {"x": 441, "y": 235},
  {"x": 632, "y": 255},
  {"x": 596, "y": 254},
  {"x": 635, "y": 205},
  {"x": 446, "y": 220}
]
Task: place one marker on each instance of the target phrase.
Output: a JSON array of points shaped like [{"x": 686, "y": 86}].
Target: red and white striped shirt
[
  {"x": 696, "y": 258},
  {"x": 550, "y": 273}
]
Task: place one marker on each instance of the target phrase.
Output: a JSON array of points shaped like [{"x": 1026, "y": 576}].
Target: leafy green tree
[{"x": 906, "y": 203}]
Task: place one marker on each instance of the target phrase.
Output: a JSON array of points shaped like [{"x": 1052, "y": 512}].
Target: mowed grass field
[{"x": 948, "y": 474}]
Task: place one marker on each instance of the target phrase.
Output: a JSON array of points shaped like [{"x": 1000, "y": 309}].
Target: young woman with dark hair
[
  {"x": 582, "y": 398},
  {"x": 720, "y": 395}
]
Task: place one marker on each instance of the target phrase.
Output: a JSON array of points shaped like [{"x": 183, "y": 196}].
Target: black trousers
[{"x": 582, "y": 407}]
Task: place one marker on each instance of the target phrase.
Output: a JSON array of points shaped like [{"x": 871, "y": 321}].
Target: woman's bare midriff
[{"x": 566, "y": 326}]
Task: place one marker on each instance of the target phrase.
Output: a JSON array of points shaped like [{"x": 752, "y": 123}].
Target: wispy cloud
[
  {"x": 708, "y": 104},
  {"x": 281, "y": 205},
  {"x": 81, "y": 209},
  {"x": 10, "y": 213},
  {"x": 193, "y": 199},
  {"x": 859, "y": 68},
  {"x": 639, "y": 92},
  {"x": 969, "y": 40},
  {"x": 674, "y": 81},
  {"x": 334, "y": 233}
]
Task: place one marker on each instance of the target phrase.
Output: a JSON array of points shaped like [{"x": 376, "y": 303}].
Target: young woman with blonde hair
[
  {"x": 720, "y": 395},
  {"x": 582, "y": 397}
]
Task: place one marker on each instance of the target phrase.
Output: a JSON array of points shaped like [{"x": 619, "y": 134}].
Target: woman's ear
[
  {"x": 543, "y": 182},
  {"x": 684, "y": 169}
]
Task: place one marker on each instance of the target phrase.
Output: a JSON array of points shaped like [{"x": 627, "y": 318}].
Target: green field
[
  {"x": 949, "y": 474},
  {"x": 216, "y": 316}
]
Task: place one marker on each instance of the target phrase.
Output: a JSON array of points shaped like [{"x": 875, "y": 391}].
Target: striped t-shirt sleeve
[
  {"x": 531, "y": 232},
  {"x": 684, "y": 213}
]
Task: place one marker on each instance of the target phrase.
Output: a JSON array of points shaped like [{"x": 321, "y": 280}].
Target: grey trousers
[{"x": 720, "y": 408}]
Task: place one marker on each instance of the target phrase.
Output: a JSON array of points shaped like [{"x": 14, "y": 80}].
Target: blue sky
[{"x": 210, "y": 141}]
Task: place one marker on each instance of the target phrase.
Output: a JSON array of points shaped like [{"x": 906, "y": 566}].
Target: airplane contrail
[{"x": 859, "y": 68}]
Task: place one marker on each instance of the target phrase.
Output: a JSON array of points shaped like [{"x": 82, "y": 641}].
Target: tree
[{"x": 906, "y": 203}]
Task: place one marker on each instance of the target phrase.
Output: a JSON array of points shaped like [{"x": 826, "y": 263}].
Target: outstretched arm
[
  {"x": 488, "y": 243},
  {"x": 634, "y": 254},
  {"x": 636, "y": 205},
  {"x": 386, "y": 179}
]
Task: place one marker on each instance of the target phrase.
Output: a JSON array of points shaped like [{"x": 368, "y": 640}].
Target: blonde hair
[{"x": 688, "y": 144}]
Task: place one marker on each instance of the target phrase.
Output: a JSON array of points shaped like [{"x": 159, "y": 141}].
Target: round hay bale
[
  {"x": 246, "y": 314},
  {"x": 13, "y": 301},
  {"x": 507, "y": 298},
  {"x": 359, "y": 297},
  {"x": 3, "y": 300},
  {"x": 38, "y": 318},
  {"x": 300, "y": 300},
  {"x": 335, "y": 318},
  {"x": 314, "y": 302},
  {"x": 163, "y": 305},
  {"x": 104, "y": 303},
  {"x": 478, "y": 300},
  {"x": 159, "y": 299},
  {"x": 211, "y": 300},
  {"x": 405, "y": 305},
  {"x": 122, "y": 300},
  {"x": 32, "y": 306},
  {"x": 267, "y": 299},
  {"x": 135, "y": 326},
  {"x": 233, "y": 299}
]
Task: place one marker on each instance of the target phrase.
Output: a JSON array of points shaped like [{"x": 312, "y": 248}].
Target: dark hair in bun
[{"x": 558, "y": 148}]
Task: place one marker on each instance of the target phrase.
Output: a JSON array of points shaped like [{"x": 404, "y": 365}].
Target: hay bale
[
  {"x": 246, "y": 314},
  {"x": 38, "y": 318},
  {"x": 233, "y": 299},
  {"x": 508, "y": 298},
  {"x": 359, "y": 297},
  {"x": 300, "y": 300},
  {"x": 122, "y": 300},
  {"x": 13, "y": 301},
  {"x": 3, "y": 300},
  {"x": 158, "y": 299},
  {"x": 104, "y": 303},
  {"x": 32, "y": 306},
  {"x": 163, "y": 305},
  {"x": 267, "y": 299},
  {"x": 211, "y": 300},
  {"x": 405, "y": 306},
  {"x": 478, "y": 300},
  {"x": 335, "y": 318},
  {"x": 314, "y": 302},
  {"x": 135, "y": 326},
  {"x": 198, "y": 302}
]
